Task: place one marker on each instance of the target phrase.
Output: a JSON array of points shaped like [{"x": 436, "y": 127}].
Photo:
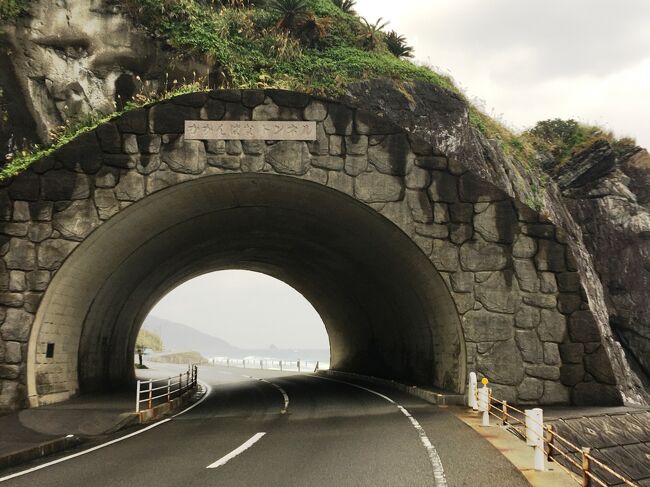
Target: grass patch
[{"x": 12, "y": 9}]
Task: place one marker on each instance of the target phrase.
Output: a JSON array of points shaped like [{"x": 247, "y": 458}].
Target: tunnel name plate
[{"x": 233, "y": 130}]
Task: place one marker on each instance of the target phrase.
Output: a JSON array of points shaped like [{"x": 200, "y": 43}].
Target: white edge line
[
  {"x": 285, "y": 396},
  {"x": 108, "y": 443},
  {"x": 438, "y": 471},
  {"x": 237, "y": 451}
]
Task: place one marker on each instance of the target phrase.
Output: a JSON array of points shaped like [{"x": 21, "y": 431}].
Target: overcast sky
[
  {"x": 532, "y": 60},
  {"x": 247, "y": 309},
  {"x": 526, "y": 60}
]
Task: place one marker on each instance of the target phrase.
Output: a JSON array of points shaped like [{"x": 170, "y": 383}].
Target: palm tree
[
  {"x": 313, "y": 29},
  {"x": 372, "y": 33},
  {"x": 397, "y": 45},
  {"x": 346, "y": 6},
  {"x": 291, "y": 12}
]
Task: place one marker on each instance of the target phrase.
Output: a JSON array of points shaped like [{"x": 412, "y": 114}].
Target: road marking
[
  {"x": 208, "y": 389},
  {"x": 282, "y": 391},
  {"x": 438, "y": 471},
  {"x": 237, "y": 451}
]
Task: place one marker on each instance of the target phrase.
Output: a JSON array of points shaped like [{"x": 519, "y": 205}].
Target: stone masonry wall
[{"x": 526, "y": 323}]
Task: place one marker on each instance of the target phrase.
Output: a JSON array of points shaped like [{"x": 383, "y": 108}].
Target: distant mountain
[{"x": 178, "y": 337}]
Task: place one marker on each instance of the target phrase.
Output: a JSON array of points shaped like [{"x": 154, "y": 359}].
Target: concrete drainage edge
[
  {"x": 57, "y": 445},
  {"x": 39, "y": 451},
  {"x": 438, "y": 398}
]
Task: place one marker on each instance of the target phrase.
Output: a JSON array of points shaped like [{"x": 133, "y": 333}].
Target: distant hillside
[{"x": 178, "y": 337}]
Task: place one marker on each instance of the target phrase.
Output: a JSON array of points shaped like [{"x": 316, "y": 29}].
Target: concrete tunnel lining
[{"x": 386, "y": 309}]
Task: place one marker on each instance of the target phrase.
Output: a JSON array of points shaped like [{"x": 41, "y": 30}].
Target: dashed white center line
[
  {"x": 237, "y": 451},
  {"x": 282, "y": 391},
  {"x": 438, "y": 471}
]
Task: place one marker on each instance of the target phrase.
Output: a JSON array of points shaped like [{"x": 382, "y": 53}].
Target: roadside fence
[
  {"x": 271, "y": 364},
  {"x": 528, "y": 424},
  {"x": 153, "y": 392}
]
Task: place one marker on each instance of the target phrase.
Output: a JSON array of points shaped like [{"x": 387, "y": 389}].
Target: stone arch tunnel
[{"x": 420, "y": 270}]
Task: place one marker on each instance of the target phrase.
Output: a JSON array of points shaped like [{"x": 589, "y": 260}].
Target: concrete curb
[
  {"x": 438, "y": 398},
  {"x": 57, "y": 445},
  {"x": 39, "y": 451}
]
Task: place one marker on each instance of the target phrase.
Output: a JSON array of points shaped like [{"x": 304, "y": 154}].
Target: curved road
[{"x": 333, "y": 433}]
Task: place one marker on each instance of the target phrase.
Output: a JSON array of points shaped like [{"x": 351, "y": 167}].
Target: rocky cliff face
[{"x": 74, "y": 57}]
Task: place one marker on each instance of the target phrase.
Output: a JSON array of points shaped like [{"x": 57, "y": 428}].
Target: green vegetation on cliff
[{"x": 315, "y": 46}]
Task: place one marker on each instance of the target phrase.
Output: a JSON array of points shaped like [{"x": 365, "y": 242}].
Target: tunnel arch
[
  {"x": 516, "y": 306},
  {"x": 385, "y": 307}
]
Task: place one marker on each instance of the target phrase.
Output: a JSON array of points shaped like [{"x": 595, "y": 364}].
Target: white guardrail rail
[
  {"x": 271, "y": 364},
  {"x": 153, "y": 392},
  {"x": 547, "y": 444}
]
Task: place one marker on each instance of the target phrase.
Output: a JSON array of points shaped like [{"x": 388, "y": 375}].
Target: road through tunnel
[{"x": 385, "y": 307}]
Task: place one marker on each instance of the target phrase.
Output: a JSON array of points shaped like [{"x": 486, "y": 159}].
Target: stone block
[
  {"x": 41, "y": 211},
  {"x": 290, "y": 99},
  {"x": 572, "y": 353},
  {"x": 355, "y": 165},
  {"x": 52, "y": 252},
  {"x": 213, "y": 110},
  {"x": 130, "y": 187},
  {"x": 185, "y": 156},
  {"x": 316, "y": 111},
  {"x": 17, "y": 282},
  {"x": 228, "y": 162},
  {"x": 432, "y": 230},
  {"x": 216, "y": 147},
  {"x": 60, "y": 185},
  {"x": 37, "y": 280},
  {"x": 548, "y": 301},
  {"x": 484, "y": 326},
  {"x": 431, "y": 162},
  {"x": 253, "y": 147},
  {"x": 530, "y": 389},
  {"x": 459, "y": 233},
  {"x": 169, "y": 118},
  {"x": 548, "y": 284},
  {"x": 526, "y": 275},
  {"x": 461, "y": 212},
  {"x": 331, "y": 163},
  {"x": 420, "y": 206},
  {"x": 392, "y": 155},
  {"x": 539, "y": 230},
  {"x": 552, "y": 327},
  {"x": 524, "y": 247},
  {"x": 552, "y": 354},
  {"x": 17, "y": 325},
  {"x": 106, "y": 203},
  {"x": 27, "y": 186},
  {"x": 77, "y": 220},
  {"x": 378, "y": 188},
  {"x": 9, "y": 371},
  {"x": 555, "y": 393},
  {"x": 550, "y": 256},
  {"x": 473, "y": 190},
  {"x": 341, "y": 182},
  {"x": 599, "y": 366},
  {"x": 39, "y": 231},
  {"x": 590, "y": 393},
  {"x": 289, "y": 157},
  {"x": 530, "y": 346},
  {"x": 356, "y": 145},
  {"x": 502, "y": 364},
  {"x": 583, "y": 327},
  {"x": 267, "y": 111},
  {"x": 462, "y": 282},
  {"x": 480, "y": 256},
  {"x": 572, "y": 374},
  {"x": 540, "y": 371},
  {"x": 417, "y": 178},
  {"x": 497, "y": 223},
  {"x": 367, "y": 123},
  {"x": 444, "y": 256},
  {"x": 444, "y": 187},
  {"x": 320, "y": 146},
  {"x": 109, "y": 138},
  {"x": 21, "y": 255},
  {"x": 339, "y": 120},
  {"x": 133, "y": 122},
  {"x": 568, "y": 282},
  {"x": 497, "y": 293}
]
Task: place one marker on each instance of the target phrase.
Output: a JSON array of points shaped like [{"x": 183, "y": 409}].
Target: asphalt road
[{"x": 331, "y": 434}]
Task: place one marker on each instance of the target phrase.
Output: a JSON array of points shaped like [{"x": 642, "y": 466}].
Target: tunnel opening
[
  {"x": 234, "y": 316},
  {"x": 387, "y": 311}
]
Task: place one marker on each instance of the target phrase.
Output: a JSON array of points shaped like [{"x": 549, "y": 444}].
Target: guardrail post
[
  {"x": 150, "y": 402},
  {"x": 227, "y": 362},
  {"x": 586, "y": 467},
  {"x": 483, "y": 404},
  {"x": 535, "y": 435},
  {"x": 169, "y": 389},
  {"x": 316, "y": 368},
  {"x": 244, "y": 362},
  {"x": 262, "y": 364},
  {"x": 187, "y": 382},
  {"x": 180, "y": 383},
  {"x": 472, "y": 391},
  {"x": 280, "y": 365},
  {"x": 137, "y": 397},
  {"x": 298, "y": 365},
  {"x": 504, "y": 413}
]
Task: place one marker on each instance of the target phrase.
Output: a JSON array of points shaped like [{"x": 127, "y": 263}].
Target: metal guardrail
[
  {"x": 153, "y": 392},
  {"x": 543, "y": 438},
  {"x": 271, "y": 364}
]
